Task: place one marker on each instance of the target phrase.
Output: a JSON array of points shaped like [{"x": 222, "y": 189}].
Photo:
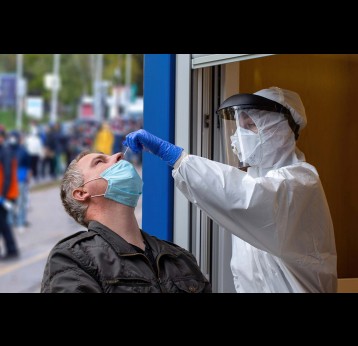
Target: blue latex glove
[
  {"x": 1, "y": 200},
  {"x": 141, "y": 139}
]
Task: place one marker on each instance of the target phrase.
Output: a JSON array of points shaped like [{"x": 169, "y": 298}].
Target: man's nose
[{"x": 117, "y": 156}]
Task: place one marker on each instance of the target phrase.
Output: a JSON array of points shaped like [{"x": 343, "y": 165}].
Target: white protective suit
[{"x": 283, "y": 238}]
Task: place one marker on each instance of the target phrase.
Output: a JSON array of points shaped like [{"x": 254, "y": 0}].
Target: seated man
[{"x": 114, "y": 256}]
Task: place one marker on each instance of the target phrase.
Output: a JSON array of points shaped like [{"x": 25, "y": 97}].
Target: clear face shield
[{"x": 240, "y": 136}]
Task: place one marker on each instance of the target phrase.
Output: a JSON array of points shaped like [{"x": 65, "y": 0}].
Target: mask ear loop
[
  {"x": 98, "y": 195},
  {"x": 102, "y": 194},
  {"x": 89, "y": 181}
]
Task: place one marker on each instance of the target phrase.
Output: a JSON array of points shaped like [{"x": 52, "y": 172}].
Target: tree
[{"x": 76, "y": 73}]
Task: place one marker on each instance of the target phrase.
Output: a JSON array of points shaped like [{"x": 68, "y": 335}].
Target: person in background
[
  {"x": 35, "y": 148},
  {"x": 117, "y": 125},
  {"x": 60, "y": 142},
  {"x": 19, "y": 215},
  {"x": 8, "y": 194},
  {"x": 273, "y": 203},
  {"x": 101, "y": 192},
  {"x": 104, "y": 139},
  {"x": 50, "y": 153}
]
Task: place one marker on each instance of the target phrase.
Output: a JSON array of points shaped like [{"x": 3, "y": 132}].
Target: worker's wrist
[{"x": 180, "y": 159}]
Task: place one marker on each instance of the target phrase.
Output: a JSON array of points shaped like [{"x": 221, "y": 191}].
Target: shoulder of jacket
[
  {"x": 176, "y": 247},
  {"x": 76, "y": 238},
  {"x": 168, "y": 245},
  {"x": 162, "y": 241},
  {"x": 304, "y": 169}
]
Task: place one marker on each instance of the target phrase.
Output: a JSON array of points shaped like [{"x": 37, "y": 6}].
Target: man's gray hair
[{"x": 72, "y": 179}]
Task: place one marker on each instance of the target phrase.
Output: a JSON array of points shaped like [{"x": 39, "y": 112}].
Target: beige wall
[{"x": 328, "y": 86}]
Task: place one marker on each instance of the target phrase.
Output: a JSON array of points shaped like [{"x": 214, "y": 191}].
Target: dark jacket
[
  {"x": 5, "y": 170},
  {"x": 99, "y": 260}
]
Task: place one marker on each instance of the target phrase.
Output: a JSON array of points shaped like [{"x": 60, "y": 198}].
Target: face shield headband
[{"x": 233, "y": 104}]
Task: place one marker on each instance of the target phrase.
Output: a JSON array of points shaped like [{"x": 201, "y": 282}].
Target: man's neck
[{"x": 121, "y": 220}]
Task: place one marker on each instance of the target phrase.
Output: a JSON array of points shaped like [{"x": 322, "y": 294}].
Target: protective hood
[
  {"x": 279, "y": 116},
  {"x": 289, "y": 99},
  {"x": 277, "y": 141}
]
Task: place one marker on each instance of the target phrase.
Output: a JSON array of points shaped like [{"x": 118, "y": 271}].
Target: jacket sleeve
[{"x": 65, "y": 274}]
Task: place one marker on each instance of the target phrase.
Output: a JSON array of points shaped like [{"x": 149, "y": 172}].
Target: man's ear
[{"x": 80, "y": 195}]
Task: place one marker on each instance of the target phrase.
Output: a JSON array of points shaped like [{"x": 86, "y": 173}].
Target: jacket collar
[{"x": 122, "y": 247}]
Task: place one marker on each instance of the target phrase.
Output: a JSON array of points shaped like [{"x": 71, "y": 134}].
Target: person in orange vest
[{"x": 8, "y": 193}]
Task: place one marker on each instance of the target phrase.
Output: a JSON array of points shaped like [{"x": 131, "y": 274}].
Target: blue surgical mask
[{"x": 124, "y": 183}]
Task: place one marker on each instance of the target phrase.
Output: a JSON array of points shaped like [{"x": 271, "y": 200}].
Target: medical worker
[{"x": 273, "y": 202}]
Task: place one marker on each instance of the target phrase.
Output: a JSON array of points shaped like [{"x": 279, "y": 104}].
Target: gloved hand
[
  {"x": 2, "y": 200},
  {"x": 143, "y": 139}
]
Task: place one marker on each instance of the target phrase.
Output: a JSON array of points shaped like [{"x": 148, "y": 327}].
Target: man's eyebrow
[{"x": 96, "y": 158}]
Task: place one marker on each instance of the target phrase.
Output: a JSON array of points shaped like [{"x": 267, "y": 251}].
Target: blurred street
[{"x": 49, "y": 223}]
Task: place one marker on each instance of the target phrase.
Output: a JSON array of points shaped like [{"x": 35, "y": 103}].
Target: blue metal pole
[{"x": 159, "y": 119}]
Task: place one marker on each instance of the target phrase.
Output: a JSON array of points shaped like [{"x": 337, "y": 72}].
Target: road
[{"x": 49, "y": 223}]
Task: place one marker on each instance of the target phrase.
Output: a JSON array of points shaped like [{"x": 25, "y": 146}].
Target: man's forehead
[{"x": 86, "y": 160}]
